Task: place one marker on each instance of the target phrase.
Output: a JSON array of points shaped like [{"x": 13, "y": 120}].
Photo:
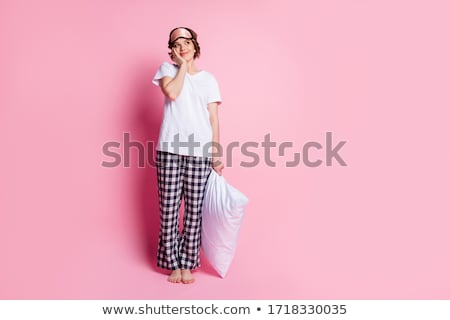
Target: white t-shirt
[{"x": 185, "y": 128}]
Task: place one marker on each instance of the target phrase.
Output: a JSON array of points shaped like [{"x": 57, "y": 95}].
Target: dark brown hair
[{"x": 193, "y": 39}]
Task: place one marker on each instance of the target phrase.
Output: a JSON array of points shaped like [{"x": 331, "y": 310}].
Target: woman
[{"x": 188, "y": 147}]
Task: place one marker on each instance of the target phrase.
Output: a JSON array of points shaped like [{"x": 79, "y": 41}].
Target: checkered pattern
[{"x": 180, "y": 176}]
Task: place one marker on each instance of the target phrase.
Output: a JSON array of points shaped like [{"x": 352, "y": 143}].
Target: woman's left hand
[{"x": 217, "y": 165}]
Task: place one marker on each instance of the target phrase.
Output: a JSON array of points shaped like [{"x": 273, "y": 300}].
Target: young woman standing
[{"x": 188, "y": 147}]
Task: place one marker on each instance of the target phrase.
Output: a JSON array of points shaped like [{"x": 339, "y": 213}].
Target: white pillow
[{"x": 223, "y": 210}]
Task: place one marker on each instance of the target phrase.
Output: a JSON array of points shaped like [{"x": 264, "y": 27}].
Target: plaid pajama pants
[{"x": 180, "y": 176}]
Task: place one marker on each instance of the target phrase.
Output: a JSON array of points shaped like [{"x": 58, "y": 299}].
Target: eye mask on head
[{"x": 180, "y": 33}]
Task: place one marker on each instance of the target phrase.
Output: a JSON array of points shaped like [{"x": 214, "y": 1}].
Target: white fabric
[
  {"x": 223, "y": 211},
  {"x": 188, "y": 114}
]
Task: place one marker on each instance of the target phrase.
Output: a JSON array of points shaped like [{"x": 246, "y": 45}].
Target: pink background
[{"x": 76, "y": 74}]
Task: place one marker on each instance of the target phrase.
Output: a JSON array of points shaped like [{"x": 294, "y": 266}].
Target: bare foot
[
  {"x": 186, "y": 276},
  {"x": 175, "y": 277}
]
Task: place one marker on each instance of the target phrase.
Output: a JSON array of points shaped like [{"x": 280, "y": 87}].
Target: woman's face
[{"x": 183, "y": 44}]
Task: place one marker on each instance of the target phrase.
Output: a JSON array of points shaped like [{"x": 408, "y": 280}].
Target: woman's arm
[
  {"x": 171, "y": 87},
  {"x": 216, "y": 150}
]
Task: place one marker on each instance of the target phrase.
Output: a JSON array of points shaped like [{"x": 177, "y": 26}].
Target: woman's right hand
[{"x": 176, "y": 57}]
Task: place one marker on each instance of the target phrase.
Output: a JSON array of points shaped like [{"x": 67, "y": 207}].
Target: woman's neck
[{"x": 191, "y": 67}]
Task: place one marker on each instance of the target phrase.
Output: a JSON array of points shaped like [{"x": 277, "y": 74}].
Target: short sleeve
[
  {"x": 214, "y": 91},
  {"x": 165, "y": 69}
]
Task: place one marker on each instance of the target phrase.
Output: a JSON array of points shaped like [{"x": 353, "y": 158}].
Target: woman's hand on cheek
[{"x": 176, "y": 57}]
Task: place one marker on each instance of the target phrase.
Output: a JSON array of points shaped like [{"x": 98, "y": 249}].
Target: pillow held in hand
[{"x": 223, "y": 210}]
